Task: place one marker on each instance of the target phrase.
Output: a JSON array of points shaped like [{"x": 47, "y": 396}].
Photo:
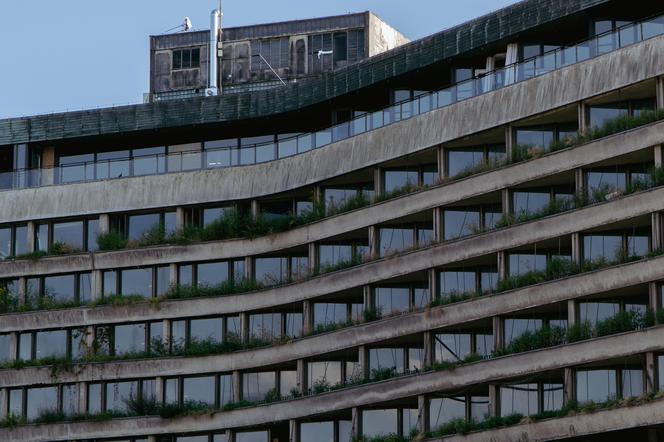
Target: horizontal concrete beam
[
  {"x": 509, "y": 176},
  {"x": 365, "y": 334},
  {"x": 579, "y": 425},
  {"x": 437, "y": 255},
  {"x": 559, "y": 88},
  {"x": 504, "y": 368}
]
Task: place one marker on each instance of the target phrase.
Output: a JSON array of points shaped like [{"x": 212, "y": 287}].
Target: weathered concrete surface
[
  {"x": 587, "y": 424},
  {"x": 562, "y": 87},
  {"x": 437, "y": 255},
  {"x": 366, "y": 334},
  {"x": 581, "y": 156},
  {"x": 493, "y": 370}
]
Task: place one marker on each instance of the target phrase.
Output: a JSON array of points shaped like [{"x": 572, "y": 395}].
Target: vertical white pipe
[{"x": 215, "y": 19}]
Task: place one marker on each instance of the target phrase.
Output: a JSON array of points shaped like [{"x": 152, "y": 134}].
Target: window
[
  {"x": 331, "y": 255},
  {"x": 521, "y": 399},
  {"x": 317, "y": 432},
  {"x": 67, "y": 237},
  {"x": 521, "y": 263},
  {"x": 459, "y": 282},
  {"x": 460, "y": 162},
  {"x": 186, "y": 58},
  {"x": 255, "y": 386},
  {"x": 595, "y": 385},
  {"x": 252, "y": 436},
  {"x": 600, "y": 114},
  {"x": 211, "y": 274},
  {"x": 41, "y": 400},
  {"x": 386, "y": 359},
  {"x": 216, "y": 329},
  {"x": 48, "y": 290},
  {"x": 323, "y": 374},
  {"x": 514, "y": 328},
  {"x": 444, "y": 410},
  {"x": 199, "y": 389},
  {"x": 119, "y": 393},
  {"x": 265, "y": 326},
  {"x": 145, "y": 282},
  {"x": 594, "y": 312},
  {"x": 380, "y": 422},
  {"x": 275, "y": 51},
  {"x": 459, "y": 223}
]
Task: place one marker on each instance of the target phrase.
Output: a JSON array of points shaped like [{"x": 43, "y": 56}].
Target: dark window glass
[
  {"x": 595, "y": 385},
  {"x": 459, "y": 223},
  {"x": 452, "y": 347},
  {"x": 94, "y": 398},
  {"x": 51, "y": 344},
  {"x": 21, "y": 240},
  {"x": 5, "y": 242},
  {"x": 393, "y": 240},
  {"x": 444, "y": 410},
  {"x": 516, "y": 327},
  {"x": 5, "y": 342},
  {"x": 137, "y": 282},
  {"x": 212, "y": 273},
  {"x": 457, "y": 282},
  {"x": 163, "y": 279},
  {"x": 177, "y": 59},
  {"x": 141, "y": 224},
  {"x": 386, "y": 358},
  {"x": 461, "y": 161},
  {"x": 271, "y": 270},
  {"x": 41, "y": 237},
  {"x": 199, "y": 389},
  {"x": 41, "y": 400},
  {"x": 530, "y": 202},
  {"x": 609, "y": 247},
  {"x": 205, "y": 329},
  {"x": 376, "y": 423},
  {"x": 119, "y": 393},
  {"x": 256, "y": 385},
  {"x": 520, "y": 263},
  {"x": 594, "y": 312},
  {"x": 110, "y": 282},
  {"x": 93, "y": 232},
  {"x": 600, "y": 114},
  {"x": 70, "y": 233},
  {"x": 60, "y": 288},
  {"x": 330, "y": 313},
  {"x": 129, "y": 338},
  {"x": 392, "y": 300}
]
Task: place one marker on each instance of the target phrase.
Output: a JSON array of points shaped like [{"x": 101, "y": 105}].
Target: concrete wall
[
  {"x": 366, "y": 334},
  {"x": 492, "y": 370},
  {"x": 558, "y": 88},
  {"x": 509, "y": 176},
  {"x": 437, "y": 255},
  {"x": 382, "y": 36}
]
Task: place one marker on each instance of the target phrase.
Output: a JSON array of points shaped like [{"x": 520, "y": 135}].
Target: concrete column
[
  {"x": 302, "y": 380},
  {"x": 509, "y": 142},
  {"x": 96, "y": 281},
  {"x": 82, "y": 397},
  {"x": 429, "y": 356},
  {"x": 432, "y": 275},
  {"x": 441, "y": 160},
  {"x": 255, "y": 209},
  {"x": 660, "y": 92},
  {"x": 104, "y": 223},
  {"x": 502, "y": 266},
  {"x": 166, "y": 332},
  {"x": 438, "y": 234},
  {"x": 651, "y": 372},
  {"x": 494, "y": 400},
  {"x": 159, "y": 390},
  {"x": 249, "y": 268},
  {"x": 569, "y": 384},
  {"x": 294, "y": 431},
  {"x": 4, "y": 402},
  {"x": 577, "y": 253},
  {"x": 582, "y": 117},
  {"x": 237, "y": 386},
  {"x": 656, "y": 230},
  {"x": 653, "y": 296},
  {"x": 368, "y": 298},
  {"x": 363, "y": 361},
  {"x": 90, "y": 339},
  {"x": 179, "y": 218},
  {"x": 379, "y": 182},
  {"x": 173, "y": 274},
  {"x": 307, "y": 317},
  {"x": 313, "y": 258},
  {"x": 152, "y": 438},
  {"x": 230, "y": 436},
  {"x": 572, "y": 312},
  {"x": 244, "y": 327},
  {"x": 317, "y": 195},
  {"x": 356, "y": 422},
  {"x": 498, "y": 333},
  {"x": 13, "y": 346},
  {"x": 506, "y": 202},
  {"x": 422, "y": 414},
  {"x": 48, "y": 166},
  {"x": 32, "y": 243},
  {"x": 22, "y": 290},
  {"x": 658, "y": 155},
  {"x": 374, "y": 242},
  {"x": 579, "y": 182}
]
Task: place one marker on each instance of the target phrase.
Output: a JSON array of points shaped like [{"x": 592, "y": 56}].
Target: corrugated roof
[{"x": 204, "y": 110}]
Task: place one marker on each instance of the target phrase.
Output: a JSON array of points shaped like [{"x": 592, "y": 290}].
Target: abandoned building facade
[{"x": 352, "y": 237}]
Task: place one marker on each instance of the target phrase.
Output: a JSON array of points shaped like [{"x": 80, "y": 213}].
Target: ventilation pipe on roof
[{"x": 213, "y": 57}]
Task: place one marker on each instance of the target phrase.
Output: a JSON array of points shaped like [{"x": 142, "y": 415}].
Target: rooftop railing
[{"x": 211, "y": 157}]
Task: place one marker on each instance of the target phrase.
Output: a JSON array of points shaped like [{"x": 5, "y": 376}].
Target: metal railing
[{"x": 241, "y": 155}]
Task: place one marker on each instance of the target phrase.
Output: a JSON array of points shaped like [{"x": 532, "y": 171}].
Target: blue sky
[{"x": 70, "y": 54}]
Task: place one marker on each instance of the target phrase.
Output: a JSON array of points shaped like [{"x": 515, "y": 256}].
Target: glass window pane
[
  {"x": 400, "y": 179},
  {"x": 60, "y": 288},
  {"x": 119, "y": 393},
  {"x": 287, "y": 382},
  {"x": 393, "y": 240},
  {"x": 392, "y": 300},
  {"x": 455, "y": 283},
  {"x": 330, "y": 313},
  {"x": 317, "y": 432},
  {"x": 607, "y": 247},
  {"x": 323, "y": 374},
  {"x": 137, "y": 282},
  {"x": 110, "y": 283},
  {"x": 595, "y": 385},
  {"x": 70, "y": 399},
  {"x": 463, "y": 161},
  {"x": 16, "y": 401},
  {"x": 256, "y": 385},
  {"x": 386, "y": 359},
  {"x": 444, "y": 410},
  {"x": 632, "y": 383},
  {"x": 452, "y": 347},
  {"x": 205, "y": 329},
  {"x": 51, "y": 344},
  {"x": 520, "y": 264},
  {"x": 141, "y": 224},
  {"x": 163, "y": 280},
  {"x": 379, "y": 422},
  {"x": 252, "y": 436},
  {"x": 265, "y": 327},
  {"x": 212, "y": 273},
  {"x": 199, "y": 389},
  {"x": 41, "y": 400},
  {"x": 459, "y": 223},
  {"x": 21, "y": 240},
  {"x": 516, "y": 327},
  {"x": 94, "y": 398},
  {"x": 171, "y": 391},
  {"x": 530, "y": 202},
  {"x": 534, "y": 139},
  {"x": 5, "y": 242},
  {"x": 130, "y": 338},
  {"x": 601, "y": 183},
  {"x": 70, "y": 234},
  {"x": 553, "y": 396},
  {"x": 595, "y": 312},
  {"x": 271, "y": 271},
  {"x": 519, "y": 399}
]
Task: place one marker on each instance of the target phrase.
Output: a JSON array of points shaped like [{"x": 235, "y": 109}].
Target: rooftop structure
[{"x": 458, "y": 239}]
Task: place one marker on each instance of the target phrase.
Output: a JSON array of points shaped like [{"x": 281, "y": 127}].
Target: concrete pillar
[
  {"x": 494, "y": 400},
  {"x": 368, "y": 298},
  {"x": 651, "y": 373},
  {"x": 506, "y": 202},
  {"x": 582, "y": 117},
  {"x": 502, "y": 266},
  {"x": 249, "y": 268},
  {"x": 569, "y": 384},
  {"x": 48, "y": 166},
  {"x": 159, "y": 391},
  {"x": 244, "y": 327},
  {"x": 179, "y": 218},
  {"x": 32, "y": 240},
  {"x": 656, "y": 230},
  {"x": 422, "y": 414},
  {"x": 572, "y": 312},
  {"x": 577, "y": 253},
  {"x": 293, "y": 430},
  {"x": 166, "y": 332},
  {"x": 658, "y": 155},
  {"x": 152, "y": 438},
  {"x": 509, "y": 142},
  {"x": 96, "y": 281},
  {"x": 659, "y": 88},
  {"x": 356, "y": 422},
  {"x": 379, "y": 182},
  {"x": 653, "y": 296},
  {"x": 82, "y": 397},
  {"x": 313, "y": 258},
  {"x": 22, "y": 290},
  {"x": 255, "y": 209},
  {"x": 4, "y": 402},
  {"x": 173, "y": 274},
  {"x": 579, "y": 182},
  {"x": 429, "y": 356},
  {"x": 90, "y": 340},
  {"x": 363, "y": 361},
  {"x": 13, "y": 346},
  {"x": 104, "y": 223},
  {"x": 307, "y": 317},
  {"x": 441, "y": 160},
  {"x": 438, "y": 234},
  {"x": 374, "y": 242},
  {"x": 432, "y": 276},
  {"x": 498, "y": 333},
  {"x": 230, "y": 436},
  {"x": 237, "y": 386},
  {"x": 302, "y": 381}
]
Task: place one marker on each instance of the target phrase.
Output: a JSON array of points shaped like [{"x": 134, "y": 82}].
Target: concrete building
[{"x": 459, "y": 239}]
